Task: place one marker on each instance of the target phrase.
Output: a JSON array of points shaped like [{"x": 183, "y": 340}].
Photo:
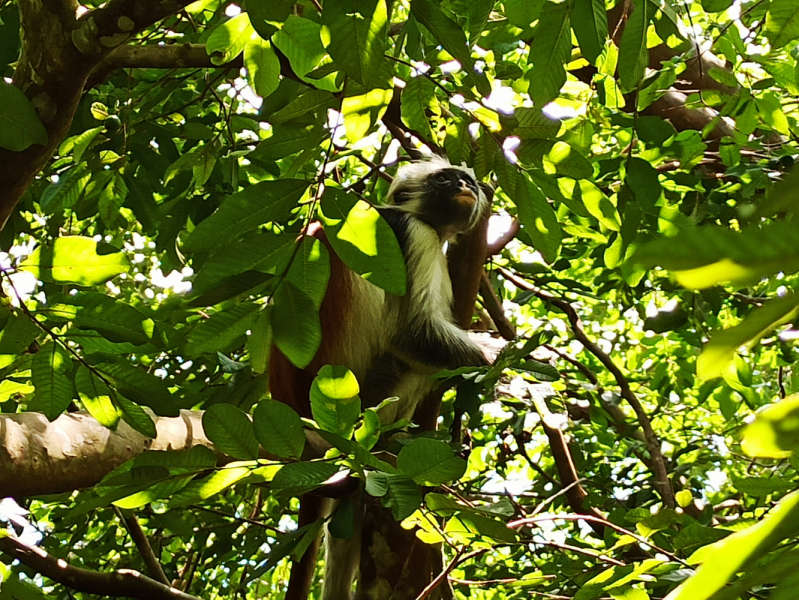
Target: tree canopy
[{"x": 160, "y": 164}]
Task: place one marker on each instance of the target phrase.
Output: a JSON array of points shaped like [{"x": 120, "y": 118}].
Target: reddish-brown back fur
[{"x": 291, "y": 385}]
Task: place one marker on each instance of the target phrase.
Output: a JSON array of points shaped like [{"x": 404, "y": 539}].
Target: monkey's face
[{"x": 448, "y": 199}]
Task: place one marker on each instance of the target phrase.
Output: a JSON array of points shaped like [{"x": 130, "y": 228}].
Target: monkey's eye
[{"x": 440, "y": 177}]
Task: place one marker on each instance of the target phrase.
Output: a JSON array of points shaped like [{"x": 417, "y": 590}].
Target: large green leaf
[
  {"x": 363, "y": 240},
  {"x": 203, "y": 489},
  {"x": 96, "y": 396},
  {"x": 430, "y": 462},
  {"x": 775, "y": 431},
  {"x": 449, "y": 35},
  {"x": 256, "y": 251},
  {"x": 20, "y": 126},
  {"x": 115, "y": 320},
  {"x": 229, "y": 38},
  {"x": 720, "y": 350},
  {"x": 538, "y": 218},
  {"x": 295, "y": 479},
  {"x": 217, "y": 333},
  {"x": 549, "y": 53},
  {"x": 141, "y": 387},
  {"x": 74, "y": 259},
  {"x": 296, "y": 327},
  {"x": 335, "y": 403},
  {"x": 310, "y": 269},
  {"x": 590, "y": 27},
  {"x": 51, "y": 376},
  {"x": 263, "y": 66},
  {"x": 278, "y": 428},
  {"x": 782, "y": 22},
  {"x": 357, "y": 31},
  {"x": 245, "y": 211},
  {"x": 738, "y": 551},
  {"x": 706, "y": 256},
  {"x": 231, "y": 431},
  {"x": 633, "y": 53}
]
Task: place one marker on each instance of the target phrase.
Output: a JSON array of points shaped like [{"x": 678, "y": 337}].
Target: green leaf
[
  {"x": 17, "y": 334},
  {"x": 296, "y": 327},
  {"x": 449, "y": 35},
  {"x": 361, "y": 112},
  {"x": 263, "y": 251},
  {"x": 20, "y": 126},
  {"x": 135, "y": 416},
  {"x": 358, "y": 30},
  {"x": 279, "y": 429},
  {"x": 263, "y": 66},
  {"x": 760, "y": 487},
  {"x": 538, "y": 218},
  {"x": 549, "y": 53},
  {"x": 229, "y": 38},
  {"x": 300, "y": 41},
  {"x": 363, "y": 240},
  {"x": 74, "y": 259},
  {"x": 203, "y": 489},
  {"x": 417, "y": 98},
  {"x": 775, "y": 431},
  {"x": 706, "y": 256},
  {"x": 782, "y": 22},
  {"x": 259, "y": 342},
  {"x": 430, "y": 462},
  {"x": 568, "y": 161},
  {"x": 138, "y": 385},
  {"x": 782, "y": 198},
  {"x": 96, "y": 397},
  {"x": 265, "y": 16},
  {"x": 523, "y": 13},
  {"x": 633, "y": 53},
  {"x": 590, "y": 27},
  {"x": 218, "y": 333},
  {"x": 295, "y": 479},
  {"x": 310, "y": 270},
  {"x": 245, "y": 211},
  {"x": 534, "y": 124},
  {"x": 311, "y": 101},
  {"x": 66, "y": 191},
  {"x": 287, "y": 139},
  {"x": 231, "y": 431},
  {"x": 644, "y": 182},
  {"x": 50, "y": 374},
  {"x": 335, "y": 403},
  {"x": 739, "y": 550},
  {"x": 115, "y": 320},
  {"x": 399, "y": 493},
  {"x": 719, "y": 352}
]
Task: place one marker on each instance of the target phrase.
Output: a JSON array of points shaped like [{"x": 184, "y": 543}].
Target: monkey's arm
[{"x": 438, "y": 345}]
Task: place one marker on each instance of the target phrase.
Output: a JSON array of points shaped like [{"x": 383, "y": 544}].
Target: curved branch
[
  {"x": 124, "y": 582},
  {"x": 659, "y": 469}
]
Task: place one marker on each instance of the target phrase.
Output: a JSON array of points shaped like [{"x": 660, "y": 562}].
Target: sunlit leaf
[{"x": 74, "y": 259}]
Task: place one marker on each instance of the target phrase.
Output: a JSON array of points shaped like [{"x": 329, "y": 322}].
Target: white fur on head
[{"x": 410, "y": 179}]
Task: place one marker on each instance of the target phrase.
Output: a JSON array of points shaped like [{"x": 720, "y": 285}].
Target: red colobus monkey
[{"x": 392, "y": 344}]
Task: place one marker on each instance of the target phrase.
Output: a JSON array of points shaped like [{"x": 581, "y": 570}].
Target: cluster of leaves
[{"x": 210, "y": 175}]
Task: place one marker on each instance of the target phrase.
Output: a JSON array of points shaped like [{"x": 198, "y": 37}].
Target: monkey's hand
[{"x": 490, "y": 346}]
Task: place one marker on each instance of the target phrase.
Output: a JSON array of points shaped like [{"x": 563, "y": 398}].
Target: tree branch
[
  {"x": 143, "y": 545},
  {"x": 493, "y": 307},
  {"x": 123, "y": 582},
  {"x": 659, "y": 470}
]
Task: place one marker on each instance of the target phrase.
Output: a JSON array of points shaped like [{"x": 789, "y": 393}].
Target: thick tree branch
[
  {"x": 74, "y": 451},
  {"x": 124, "y": 582},
  {"x": 659, "y": 469}
]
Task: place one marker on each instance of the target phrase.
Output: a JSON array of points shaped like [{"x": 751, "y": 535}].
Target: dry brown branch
[{"x": 124, "y": 582}]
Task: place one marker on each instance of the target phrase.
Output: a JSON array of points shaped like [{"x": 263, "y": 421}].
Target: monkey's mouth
[{"x": 466, "y": 199}]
